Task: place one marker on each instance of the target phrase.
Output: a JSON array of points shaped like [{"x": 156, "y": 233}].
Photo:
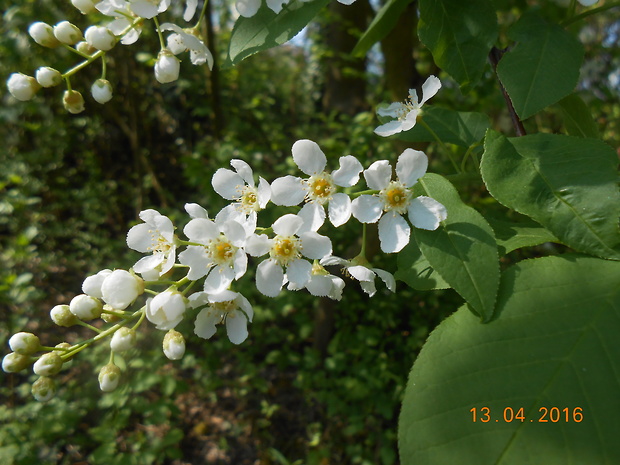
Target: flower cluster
[
  {"x": 217, "y": 252},
  {"x": 248, "y": 8},
  {"x": 125, "y": 20}
]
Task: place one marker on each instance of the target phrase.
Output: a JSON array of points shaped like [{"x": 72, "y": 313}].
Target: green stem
[
  {"x": 202, "y": 14},
  {"x": 591, "y": 12},
  {"x": 139, "y": 322},
  {"x": 363, "y": 251},
  {"x": 443, "y": 145},
  {"x": 367, "y": 192},
  {"x": 86, "y": 325},
  {"x": 161, "y": 36}
]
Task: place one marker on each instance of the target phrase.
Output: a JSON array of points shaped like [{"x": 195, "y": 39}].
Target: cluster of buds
[
  {"x": 216, "y": 253},
  {"x": 124, "y": 23}
]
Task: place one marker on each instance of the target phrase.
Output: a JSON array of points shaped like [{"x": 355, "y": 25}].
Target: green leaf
[
  {"x": 459, "y": 34},
  {"x": 381, "y": 25},
  {"x": 415, "y": 270},
  {"x": 555, "y": 344},
  {"x": 267, "y": 29},
  {"x": 454, "y": 127},
  {"x": 567, "y": 184},
  {"x": 463, "y": 249},
  {"x": 543, "y": 66},
  {"x": 577, "y": 117},
  {"x": 512, "y": 235}
]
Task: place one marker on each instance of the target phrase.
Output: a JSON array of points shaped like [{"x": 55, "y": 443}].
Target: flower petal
[
  {"x": 287, "y": 191},
  {"x": 149, "y": 263},
  {"x": 411, "y": 166},
  {"x": 258, "y": 245},
  {"x": 313, "y": 216},
  {"x": 387, "y": 278},
  {"x": 339, "y": 209},
  {"x": 190, "y": 10},
  {"x": 139, "y": 238},
  {"x": 236, "y": 327},
  {"x": 393, "y": 232},
  {"x": 264, "y": 192},
  {"x": 247, "y": 8},
  {"x": 201, "y": 230},
  {"x": 198, "y": 261},
  {"x": 430, "y": 88},
  {"x": 287, "y": 225},
  {"x": 245, "y": 306},
  {"x": 378, "y": 175},
  {"x": 349, "y": 172},
  {"x": 319, "y": 285},
  {"x": 269, "y": 278},
  {"x": 393, "y": 109},
  {"x": 426, "y": 213},
  {"x": 227, "y": 183},
  {"x": 196, "y": 211},
  {"x": 206, "y": 320},
  {"x": 361, "y": 273},
  {"x": 315, "y": 246},
  {"x": 219, "y": 279},
  {"x": 367, "y": 208},
  {"x": 244, "y": 170},
  {"x": 299, "y": 271},
  {"x": 309, "y": 157},
  {"x": 389, "y": 129}
]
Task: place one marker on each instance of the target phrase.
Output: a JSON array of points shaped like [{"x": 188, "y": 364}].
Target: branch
[{"x": 494, "y": 56}]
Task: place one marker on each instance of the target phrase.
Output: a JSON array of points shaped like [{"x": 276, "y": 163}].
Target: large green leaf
[
  {"x": 459, "y": 34},
  {"x": 463, "y": 249},
  {"x": 542, "y": 67},
  {"x": 554, "y": 344},
  {"x": 454, "y": 127},
  {"x": 384, "y": 21},
  {"x": 267, "y": 29},
  {"x": 512, "y": 235},
  {"x": 578, "y": 117},
  {"x": 415, "y": 270},
  {"x": 567, "y": 184}
]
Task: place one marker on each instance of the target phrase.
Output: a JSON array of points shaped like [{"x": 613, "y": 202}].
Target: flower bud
[
  {"x": 92, "y": 284},
  {"x": 100, "y": 37},
  {"x": 67, "y": 33},
  {"x": 43, "y": 389},
  {"x": 48, "y": 364},
  {"x": 109, "y": 317},
  {"x": 48, "y": 77},
  {"x": 166, "y": 309},
  {"x": 101, "y": 91},
  {"x": 43, "y": 34},
  {"x": 85, "y": 48},
  {"x": 174, "y": 345},
  {"x": 85, "y": 307},
  {"x": 123, "y": 339},
  {"x": 24, "y": 343},
  {"x": 14, "y": 362},
  {"x": 59, "y": 349},
  {"x": 73, "y": 101},
  {"x": 121, "y": 288},
  {"x": 62, "y": 316},
  {"x": 167, "y": 67},
  {"x": 85, "y": 6},
  {"x": 22, "y": 87},
  {"x": 109, "y": 377}
]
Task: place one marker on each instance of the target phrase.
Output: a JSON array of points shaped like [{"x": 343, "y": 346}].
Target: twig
[{"x": 494, "y": 56}]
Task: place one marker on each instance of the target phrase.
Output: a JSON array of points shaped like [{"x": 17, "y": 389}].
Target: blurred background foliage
[{"x": 317, "y": 382}]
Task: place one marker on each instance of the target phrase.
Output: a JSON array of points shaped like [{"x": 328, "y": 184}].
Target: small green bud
[
  {"x": 123, "y": 339},
  {"x": 43, "y": 389},
  {"x": 109, "y": 377},
  {"x": 24, "y": 343},
  {"x": 62, "y": 316},
  {"x": 48, "y": 364},
  {"x": 174, "y": 345},
  {"x": 73, "y": 101},
  {"x": 14, "y": 362}
]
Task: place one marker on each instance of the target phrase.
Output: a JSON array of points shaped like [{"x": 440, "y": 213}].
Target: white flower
[
  {"x": 73, "y": 101},
  {"x": 85, "y": 307},
  {"x": 247, "y": 8},
  {"x": 220, "y": 254},
  {"x": 120, "y": 288},
  {"x": 407, "y": 113},
  {"x": 167, "y": 67},
  {"x": 148, "y": 8},
  {"x": 48, "y": 77},
  {"x": 155, "y": 235},
  {"x": 174, "y": 345},
  {"x": 43, "y": 34},
  {"x": 320, "y": 187},
  {"x": 123, "y": 339},
  {"x": 22, "y": 87},
  {"x": 322, "y": 284},
  {"x": 166, "y": 309},
  {"x": 295, "y": 237},
  {"x": 187, "y": 39},
  {"x": 360, "y": 269},
  {"x": 67, "y": 33},
  {"x": 123, "y": 15},
  {"x": 100, "y": 37},
  {"x": 239, "y": 186},
  {"x": 395, "y": 199},
  {"x": 227, "y": 306},
  {"x": 101, "y": 91}
]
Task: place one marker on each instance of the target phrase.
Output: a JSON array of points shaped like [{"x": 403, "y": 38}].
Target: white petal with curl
[
  {"x": 349, "y": 172},
  {"x": 393, "y": 232},
  {"x": 411, "y": 166},
  {"x": 227, "y": 183},
  {"x": 426, "y": 213},
  {"x": 389, "y": 129},
  {"x": 430, "y": 88},
  {"x": 309, "y": 157},
  {"x": 378, "y": 175},
  {"x": 244, "y": 170},
  {"x": 387, "y": 278}
]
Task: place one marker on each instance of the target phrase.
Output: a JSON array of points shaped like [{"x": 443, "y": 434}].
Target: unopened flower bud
[
  {"x": 109, "y": 317},
  {"x": 85, "y": 307},
  {"x": 14, "y": 362},
  {"x": 85, "y": 6},
  {"x": 24, "y": 343},
  {"x": 67, "y": 33},
  {"x": 167, "y": 67},
  {"x": 43, "y": 34},
  {"x": 22, "y": 87},
  {"x": 48, "y": 77},
  {"x": 101, "y": 91},
  {"x": 174, "y": 345},
  {"x": 48, "y": 364},
  {"x": 43, "y": 389},
  {"x": 85, "y": 48},
  {"x": 100, "y": 37},
  {"x": 123, "y": 339},
  {"x": 62, "y": 316},
  {"x": 109, "y": 377},
  {"x": 121, "y": 288},
  {"x": 73, "y": 101},
  {"x": 92, "y": 284}
]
